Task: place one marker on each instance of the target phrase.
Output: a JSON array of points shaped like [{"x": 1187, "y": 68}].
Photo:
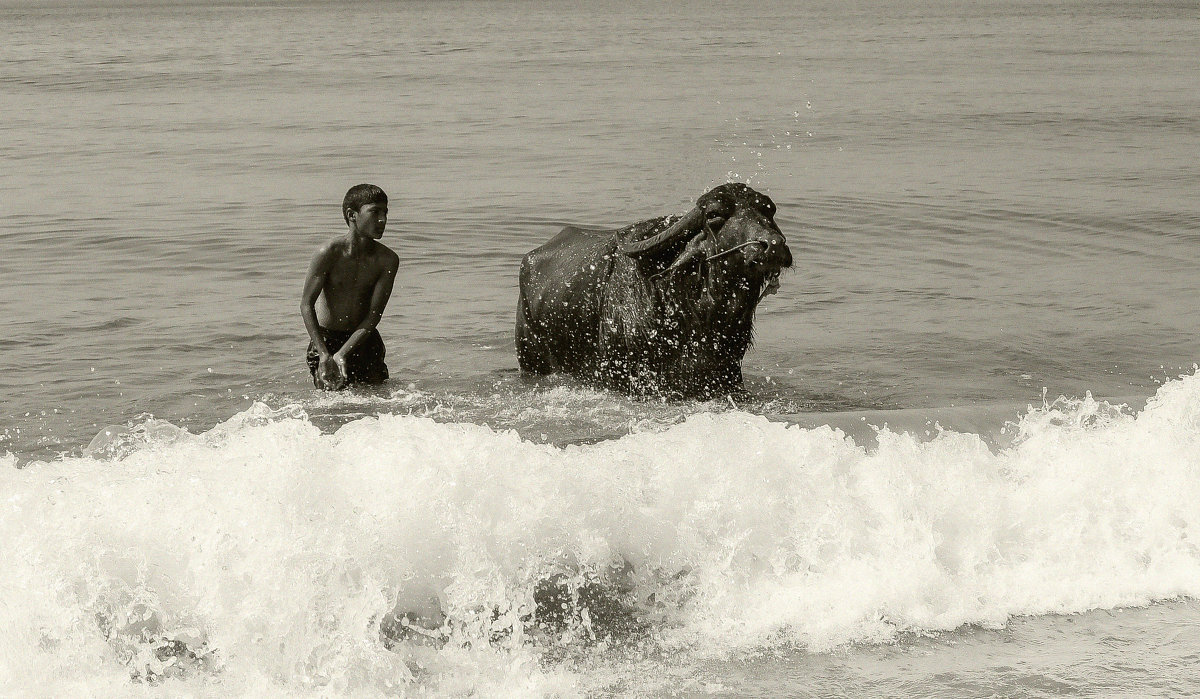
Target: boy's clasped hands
[{"x": 331, "y": 374}]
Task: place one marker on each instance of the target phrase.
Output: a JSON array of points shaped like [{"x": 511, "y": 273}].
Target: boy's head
[{"x": 360, "y": 195}]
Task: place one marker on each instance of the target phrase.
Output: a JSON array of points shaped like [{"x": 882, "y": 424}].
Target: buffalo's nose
[{"x": 777, "y": 250}]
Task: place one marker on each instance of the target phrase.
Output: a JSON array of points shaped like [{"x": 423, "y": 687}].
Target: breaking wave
[{"x": 268, "y": 557}]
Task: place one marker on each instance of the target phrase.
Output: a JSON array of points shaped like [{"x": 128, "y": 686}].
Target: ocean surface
[{"x": 967, "y": 463}]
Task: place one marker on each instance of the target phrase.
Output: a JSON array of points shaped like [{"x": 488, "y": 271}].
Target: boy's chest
[{"x": 349, "y": 272}]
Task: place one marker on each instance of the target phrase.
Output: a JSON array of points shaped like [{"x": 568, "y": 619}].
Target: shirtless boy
[{"x": 348, "y": 285}]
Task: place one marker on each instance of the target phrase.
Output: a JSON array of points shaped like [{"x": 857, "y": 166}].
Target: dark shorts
[{"x": 365, "y": 363}]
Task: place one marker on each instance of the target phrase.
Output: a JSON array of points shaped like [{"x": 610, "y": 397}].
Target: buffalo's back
[{"x": 561, "y": 291}]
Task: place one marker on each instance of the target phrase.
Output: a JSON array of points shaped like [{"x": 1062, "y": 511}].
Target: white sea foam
[{"x": 262, "y": 556}]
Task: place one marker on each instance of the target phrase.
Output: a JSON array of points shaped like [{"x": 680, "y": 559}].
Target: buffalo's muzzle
[{"x": 771, "y": 251}]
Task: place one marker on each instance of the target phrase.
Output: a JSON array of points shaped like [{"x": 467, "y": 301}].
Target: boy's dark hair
[{"x": 361, "y": 194}]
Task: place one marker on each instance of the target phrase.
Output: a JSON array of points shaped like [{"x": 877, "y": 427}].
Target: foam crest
[{"x": 268, "y": 556}]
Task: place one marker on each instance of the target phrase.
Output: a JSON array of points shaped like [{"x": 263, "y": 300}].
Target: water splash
[{"x": 268, "y": 555}]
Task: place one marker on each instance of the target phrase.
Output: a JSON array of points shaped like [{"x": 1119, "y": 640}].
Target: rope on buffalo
[{"x": 735, "y": 248}]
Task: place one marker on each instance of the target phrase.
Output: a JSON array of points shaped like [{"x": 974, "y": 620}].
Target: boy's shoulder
[
  {"x": 386, "y": 254},
  {"x": 333, "y": 245}
]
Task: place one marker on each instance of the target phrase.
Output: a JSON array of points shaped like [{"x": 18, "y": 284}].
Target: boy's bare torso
[{"x": 350, "y": 281}]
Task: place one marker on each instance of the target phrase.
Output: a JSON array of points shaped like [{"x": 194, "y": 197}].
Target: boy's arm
[
  {"x": 314, "y": 282},
  {"x": 379, "y": 299}
]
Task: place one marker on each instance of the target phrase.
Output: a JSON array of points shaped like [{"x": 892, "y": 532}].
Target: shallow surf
[{"x": 268, "y": 553}]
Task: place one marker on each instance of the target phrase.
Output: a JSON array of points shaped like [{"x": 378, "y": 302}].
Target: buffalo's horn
[{"x": 688, "y": 224}]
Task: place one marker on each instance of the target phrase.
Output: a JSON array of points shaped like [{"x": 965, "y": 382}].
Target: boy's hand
[{"x": 331, "y": 374}]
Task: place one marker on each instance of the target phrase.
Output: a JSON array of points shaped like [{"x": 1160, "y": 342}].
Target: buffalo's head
[{"x": 732, "y": 227}]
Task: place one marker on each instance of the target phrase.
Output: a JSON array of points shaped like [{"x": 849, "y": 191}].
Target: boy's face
[{"x": 369, "y": 220}]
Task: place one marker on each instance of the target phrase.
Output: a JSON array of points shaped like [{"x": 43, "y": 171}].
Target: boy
[{"x": 348, "y": 285}]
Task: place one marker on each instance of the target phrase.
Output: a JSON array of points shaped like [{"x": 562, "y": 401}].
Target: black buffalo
[{"x": 663, "y": 307}]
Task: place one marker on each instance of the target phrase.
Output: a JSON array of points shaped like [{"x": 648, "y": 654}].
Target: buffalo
[{"x": 663, "y": 307}]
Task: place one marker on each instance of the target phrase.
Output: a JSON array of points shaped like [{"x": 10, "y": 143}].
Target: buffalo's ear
[
  {"x": 764, "y": 205},
  {"x": 693, "y": 251}
]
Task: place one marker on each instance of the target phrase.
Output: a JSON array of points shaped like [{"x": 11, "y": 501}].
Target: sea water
[{"x": 965, "y": 464}]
